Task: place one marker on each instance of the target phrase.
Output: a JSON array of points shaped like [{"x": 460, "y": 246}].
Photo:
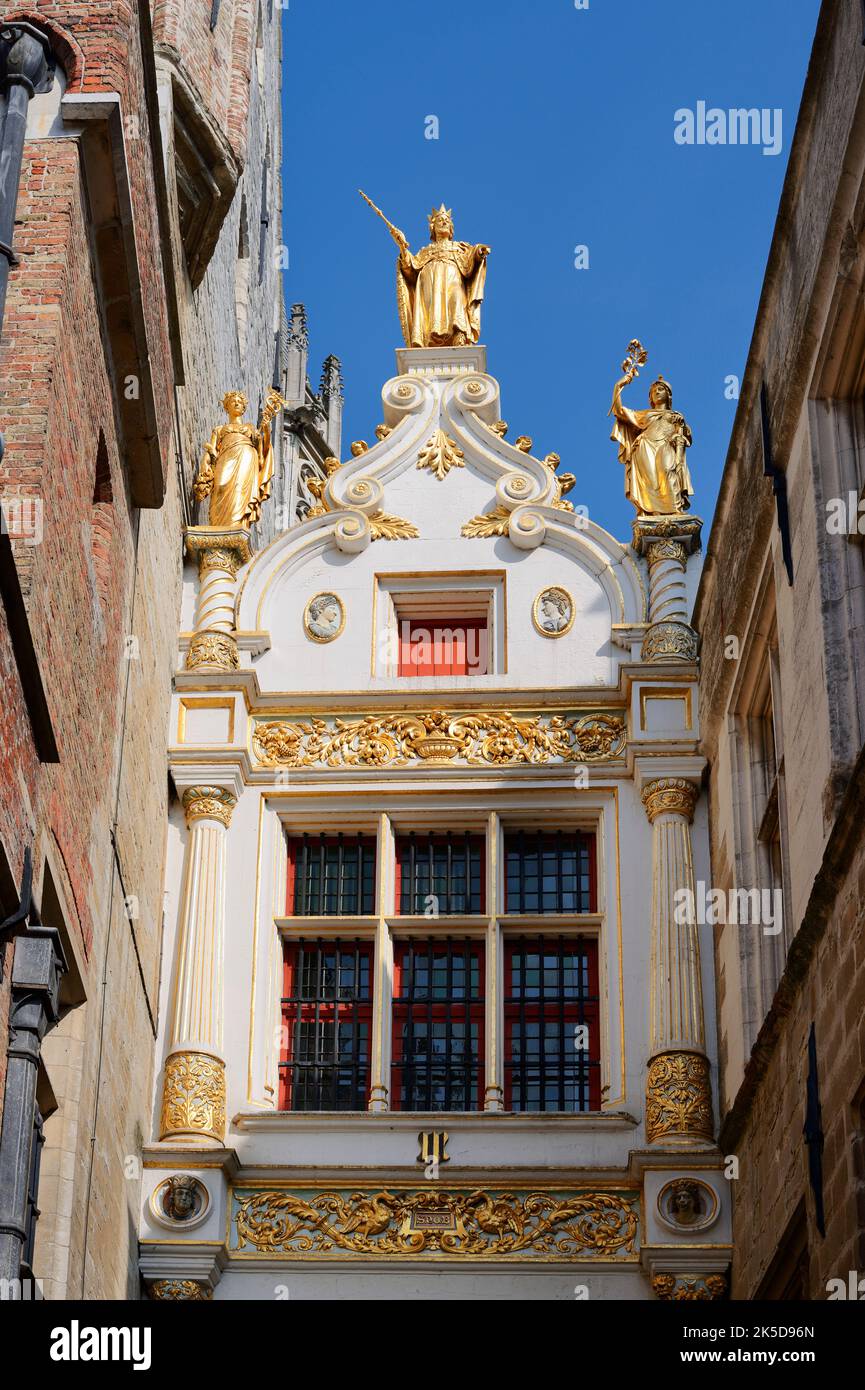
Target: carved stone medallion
[
  {"x": 324, "y": 617},
  {"x": 553, "y": 612}
]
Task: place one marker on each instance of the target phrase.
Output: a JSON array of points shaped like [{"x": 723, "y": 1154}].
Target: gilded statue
[
  {"x": 440, "y": 290},
  {"x": 237, "y": 464},
  {"x": 652, "y": 444}
]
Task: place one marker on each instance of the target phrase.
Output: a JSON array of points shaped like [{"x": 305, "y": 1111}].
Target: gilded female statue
[
  {"x": 440, "y": 290},
  {"x": 237, "y": 465},
  {"x": 652, "y": 445}
]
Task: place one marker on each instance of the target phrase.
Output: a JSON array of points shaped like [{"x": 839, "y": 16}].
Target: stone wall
[
  {"x": 103, "y": 585},
  {"x": 806, "y": 359}
]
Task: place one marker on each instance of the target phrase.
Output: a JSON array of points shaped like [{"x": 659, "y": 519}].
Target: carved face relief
[
  {"x": 180, "y": 1200},
  {"x": 553, "y": 612},
  {"x": 324, "y": 617},
  {"x": 687, "y": 1204}
]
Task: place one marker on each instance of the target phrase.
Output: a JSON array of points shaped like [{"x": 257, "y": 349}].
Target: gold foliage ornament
[
  {"x": 601, "y": 1225},
  {"x": 691, "y": 1288},
  {"x": 494, "y": 523},
  {"x": 678, "y": 1097},
  {"x": 385, "y": 527},
  {"x": 392, "y": 740},
  {"x": 193, "y": 1096},
  {"x": 440, "y": 454}
]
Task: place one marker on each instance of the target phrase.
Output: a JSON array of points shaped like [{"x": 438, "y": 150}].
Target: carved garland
[
  {"x": 586, "y": 1224},
  {"x": 439, "y": 737}
]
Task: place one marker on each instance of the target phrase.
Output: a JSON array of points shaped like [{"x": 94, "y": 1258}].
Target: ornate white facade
[{"x": 291, "y": 718}]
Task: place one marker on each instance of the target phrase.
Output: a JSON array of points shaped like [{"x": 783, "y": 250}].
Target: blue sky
[{"x": 556, "y": 129}]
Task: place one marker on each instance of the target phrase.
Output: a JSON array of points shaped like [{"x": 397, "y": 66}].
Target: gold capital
[
  {"x": 179, "y": 1289},
  {"x": 214, "y": 802},
  {"x": 670, "y": 794},
  {"x": 676, "y": 1287}
]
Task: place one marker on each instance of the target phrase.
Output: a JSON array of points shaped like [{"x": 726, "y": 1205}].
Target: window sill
[{"x": 294, "y": 1121}]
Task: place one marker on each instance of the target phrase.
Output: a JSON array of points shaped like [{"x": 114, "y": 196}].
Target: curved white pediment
[{"x": 472, "y": 514}]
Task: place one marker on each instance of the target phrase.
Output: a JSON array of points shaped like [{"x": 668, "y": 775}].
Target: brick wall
[{"x": 103, "y": 585}]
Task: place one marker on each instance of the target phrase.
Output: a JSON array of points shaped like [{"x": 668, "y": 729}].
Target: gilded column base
[
  {"x": 193, "y": 1097},
  {"x": 494, "y": 1098},
  {"x": 187, "y": 1289},
  {"x": 675, "y": 1287},
  {"x": 679, "y": 1098},
  {"x": 378, "y": 1098},
  {"x": 212, "y": 651},
  {"x": 669, "y": 642}
]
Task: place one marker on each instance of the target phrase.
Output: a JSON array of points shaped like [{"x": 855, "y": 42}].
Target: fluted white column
[
  {"x": 193, "y": 1095},
  {"x": 678, "y": 1095}
]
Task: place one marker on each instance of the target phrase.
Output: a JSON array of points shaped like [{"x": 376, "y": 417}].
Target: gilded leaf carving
[
  {"x": 584, "y": 1224},
  {"x": 393, "y": 740}
]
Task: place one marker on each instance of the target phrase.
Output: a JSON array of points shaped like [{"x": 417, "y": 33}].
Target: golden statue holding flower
[
  {"x": 237, "y": 464},
  {"x": 652, "y": 444}
]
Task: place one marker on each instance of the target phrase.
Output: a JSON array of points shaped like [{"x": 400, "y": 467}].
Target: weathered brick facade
[
  {"x": 782, "y": 702},
  {"x": 102, "y": 586}
]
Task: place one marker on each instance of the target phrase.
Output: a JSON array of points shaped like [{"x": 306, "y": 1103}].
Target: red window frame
[
  {"x": 586, "y": 837},
  {"x": 454, "y": 662},
  {"x": 567, "y": 1013},
  {"x": 467, "y": 1011},
  {"x": 350, "y": 842},
  {"x": 403, "y": 856},
  {"x": 326, "y": 1013}
]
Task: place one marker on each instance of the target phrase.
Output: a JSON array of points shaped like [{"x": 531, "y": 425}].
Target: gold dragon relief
[
  {"x": 472, "y": 1223},
  {"x": 440, "y": 737}
]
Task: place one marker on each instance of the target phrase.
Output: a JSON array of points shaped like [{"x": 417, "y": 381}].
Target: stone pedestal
[
  {"x": 220, "y": 554},
  {"x": 666, "y": 542},
  {"x": 193, "y": 1093},
  {"x": 678, "y": 1093}
]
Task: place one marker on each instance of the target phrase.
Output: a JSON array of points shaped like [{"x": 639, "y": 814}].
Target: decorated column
[
  {"x": 666, "y": 542},
  {"x": 220, "y": 555},
  {"x": 193, "y": 1094},
  {"x": 678, "y": 1093}
]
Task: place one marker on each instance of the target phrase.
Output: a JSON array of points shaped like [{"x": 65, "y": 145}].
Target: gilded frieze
[
  {"x": 496, "y": 739},
  {"x": 442, "y": 1222}
]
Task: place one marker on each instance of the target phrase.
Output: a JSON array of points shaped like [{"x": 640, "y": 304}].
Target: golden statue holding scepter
[
  {"x": 237, "y": 464},
  {"x": 440, "y": 290},
  {"x": 652, "y": 444}
]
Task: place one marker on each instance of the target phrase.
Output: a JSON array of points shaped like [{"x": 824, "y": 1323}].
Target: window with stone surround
[
  {"x": 435, "y": 952},
  {"x": 552, "y": 1037},
  {"x": 326, "y": 1018},
  {"x": 438, "y": 1024},
  {"x": 331, "y": 875},
  {"x": 439, "y": 873}
]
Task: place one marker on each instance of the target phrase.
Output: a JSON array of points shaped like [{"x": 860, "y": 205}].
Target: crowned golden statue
[
  {"x": 652, "y": 444},
  {"x": 237, "y": 465},
  {"x": 440, "y": 290}
]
